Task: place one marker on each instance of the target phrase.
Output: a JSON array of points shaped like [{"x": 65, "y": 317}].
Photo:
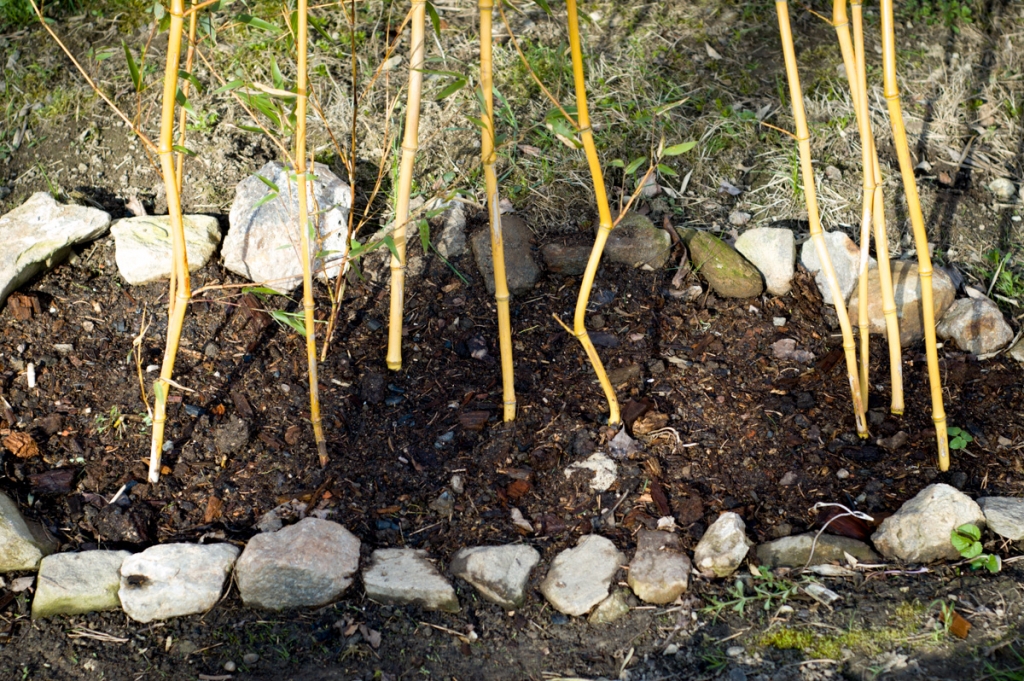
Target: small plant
[
  {"x": 768, "y": 590},
  {"x": 967, "y": 540},
  {"x": 959, "y": 438},
  {"x": 950, "y": 13},
  {"x": 112, "y": 420}
]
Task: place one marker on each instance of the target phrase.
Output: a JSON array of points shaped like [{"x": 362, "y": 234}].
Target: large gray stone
[
  {"x": 906, "y": 287},
  {"x": 976, "y": 325},
  {"x": 919, "y": 532},
  {"x": 845, "y": 257},
  {"x": 566, "y": 260},
  {"x": 1017, "y": 351},
  {"x": 723, "y": 546},
  {"x": 772, "y": 250},
  {"x": 660, "y": 571},
  {"x": 729, "y": 273},
  {"x": 23, "y": 542},
  {"x": 1004, "y": 516},
  {"x": 636, "y": 242},
  {"x": 452, "y": 242},
  {"x": 263, "y": 239},
  {"x": 76, "y": 583},
  {"x": 521, "y": 270},
  {"x": 794, "y": 551},
  {"x": 143, "y": 245},
  {"x": 39, "y": 234},
  {"x": 499, "y": 573},
  {"x": 407, "y": 577},
  {"x": 306, "y": 564},
  {"x": 579, "y": 577},
  {"x": 173, "y": 580}
]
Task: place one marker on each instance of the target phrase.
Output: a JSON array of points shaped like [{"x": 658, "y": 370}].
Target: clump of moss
[{"x": 871, "y": 641}]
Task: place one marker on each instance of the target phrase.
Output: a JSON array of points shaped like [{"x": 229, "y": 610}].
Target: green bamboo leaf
[
  {"x": 267, "y": 182},
  {"x": 451, "y": 88},
  {"x": 133, "y": 68},
  {"x": 290, "y": 319},
  {"x": 183, "y": 102},
  {"x": 183, "y": 150},
  {"x": 390, "y": 243},
  {"x": 254, "y": 22},
  {"x": 269, "y": 197},
  {"x": 634, "y": 164},
  {"x": 617, "y": 163},
  {"x": 228, "y": 87},
  {"x": 251, "y": 128},
  {"x": 425, "y": 235},
  {"x": 543, "y": 4},
  {"x": 677, "y": 149},
  {"x": 275, "y": 73},
  {"x": 665, "y": 170},
  {"x": 264, "y": 290},
  {"x": 434, "y": 19},
  {"x": 191, "y": 78}
]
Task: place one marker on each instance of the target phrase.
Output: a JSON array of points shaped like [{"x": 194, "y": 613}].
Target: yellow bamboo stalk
[
  {"x": 603, "y": 211},
  {"x": 924, "y": 261},
  {"x": 182, "y": 291},
  {"x": 817, "y": 236},
  {"x": 305, "y": 227},
  {"x": 488, "y": 157},
  {"x": 874, "y": 183},
  {"x": 410, "y": 143}
]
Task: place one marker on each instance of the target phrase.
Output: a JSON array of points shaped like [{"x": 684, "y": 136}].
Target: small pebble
[
  {"x": 88, "y": 326},
  {"x": 230, "y": 666},
  {"x": 457, "y": 484},
  {"x": 842, "y": 474},
  {"x": 671, "y": 649},
  {"x": 211, "y": 350},
  {"x": 779, "y": 321},
  {"x": 734, "y": 651},
  {"x": 738, "y": 218},
  {"x": 250, "y": 659}
]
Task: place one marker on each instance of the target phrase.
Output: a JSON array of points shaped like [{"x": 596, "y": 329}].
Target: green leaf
[
  {"x": 290, "y": 319},
  {"x": 260, "y": 290},
  {"x": 994, "y": 564},
  {"x": 183, "y": 102},
  {"x": 390, "y": 243},
  {"x": 665, "y": 170},
  {"x": 183, "y": 150},
  {"x": 434, "y": 19},
  {"x": 228, "y": 87},
  {"x": 103, "y": 55},
  {"x": 970, "y": 530},
  {"x": 543, "y": 4},
  {"x": 451, "y": 88},
  {"x": 269, "y": 197},
  {"x": 617, "y": 163},
  {"x": 634, "y": 164},
  {"x": 953, "y": 430},
  {"x": 275, "y": 73},
  {"x": 133, "y": 68},
  {"x": 191, "y": 78},
  {"x": 677, "y": 149},
  {"x": 251, "y": 128},
  {"x": 254, "y": 22},
  {"x": 425, "y": 235},
  {"x": 972, "y": 551}
]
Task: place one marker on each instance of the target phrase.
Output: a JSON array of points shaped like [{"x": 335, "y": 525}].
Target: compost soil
[{"x": 721, "y": 423}]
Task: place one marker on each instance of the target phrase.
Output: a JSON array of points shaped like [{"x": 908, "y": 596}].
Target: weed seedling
[
  {"x": 967, "y": 540},
  {"x": 958, "y": 438}
]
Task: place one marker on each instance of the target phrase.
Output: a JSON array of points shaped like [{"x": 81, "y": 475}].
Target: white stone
[
  {"x": 906, "y": 286},
  {"x": 39, "y": 234},
  {"x": 143, "y": 249},
  {"x": 976, "y": 325},
  {"x": 452, "y": 242},
  {"x": 172, "y": 580},
  {"x": 795, "y": 550},
  {"x": 772, "y": 250},
  {"x": 845, "y": 256},
  {"x": 723, "y": 547},
  {"x": 611, "y": 608},
  {"x": 660, "y": 571},
  {"x": 262, "y": 243},
  {"x": 306, "y": 564},
  {"x": 1017, "y": 351},
  {"x": 1004, "y": 516},
  {"x": 579, "y": 577},
  {"x": 499, "y": 573},
  {"x": 407, "y": 577},
  {"x": 919, "y": 532},
  {"x": 76, "y": 583},
  {"x": 23, "y": 542},
  {"x": 604, "y": 470},
  {"x": 1002, "y": 188}
]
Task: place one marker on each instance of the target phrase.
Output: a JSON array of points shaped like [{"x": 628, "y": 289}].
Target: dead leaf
[
  {"x": 649, "y": 423},
  {"x": 518, "y": 488},
  {"x": 474, "y": 420},
  {"x": 958, "y": 626},
  {"x": 292, "y": 435},
  {"x": 21, "y": 445},
  {"x": 213, "y": 509},
  {"x": 712, "y": 52}
]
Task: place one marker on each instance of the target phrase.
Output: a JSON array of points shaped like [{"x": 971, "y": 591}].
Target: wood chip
[
  {"x": 958, "y": 626},
  {"x": 21, "y": 445},
  {"x": 214, "y": 508},
  {"x": 474, "y": 420}
]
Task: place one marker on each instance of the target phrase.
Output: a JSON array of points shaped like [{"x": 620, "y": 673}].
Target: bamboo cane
[
  {"x": 305, "y": 228},
  {"x": 878, "y": 206},
  {"x": 817, "y": 236},
  {"x": 488, "y": 157},
  {"x": 924, "y": 261},
  {"x": 410, "y": 143},
  {"x": 873, "y": 208},
  {"x": 603, "y": 211},
  {"x": 182, "y": 291}
]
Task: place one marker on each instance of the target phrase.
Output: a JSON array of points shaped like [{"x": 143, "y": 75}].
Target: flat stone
[
  {"x": 76, "y": 583},
  {"x": 794, "y": 551},
  {"x": 309, "y": 563},
  {"x": 906, "y": 287},
  {"x": 919, "y": 531},
  {"x": 407, "y": 577},
  {"x": 23, "y": 542},
  {"x": 603, "y": 471},
  {"x": 565, "y": 260},
  {"x": 1004, "y": 516},
  {"x": 729, "y": 273},
  {"x": 39, "y": 234},
  {"x": 636, "y": 242},
  {"x": 723, "y": 547},
  {"x": 845, "y": 257},
  {"x": 772, "y": 250},
  {"x": 521, "y": 270},
  {"x": 579, "y": 577},
  {"x": 499, "y": 573},
  {"x": 143, "y": 249},
  {"x": 976, "y": 325},
  {"x": 173, "y": 580},
  {"x": 263, "y": 239},
  {"x": 612, "y": 608},
  {"x": 1017, "y": 351},
  {"x": 452, "y": 242},
  {"x": 660, "y": 571}
]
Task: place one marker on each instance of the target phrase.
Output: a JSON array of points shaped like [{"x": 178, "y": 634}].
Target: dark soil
[{"x": 740, "y": 421}]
